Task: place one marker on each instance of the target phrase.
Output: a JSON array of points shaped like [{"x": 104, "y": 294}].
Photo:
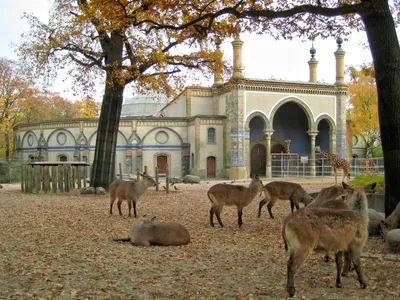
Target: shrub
[{"x": 370, "y": 178}]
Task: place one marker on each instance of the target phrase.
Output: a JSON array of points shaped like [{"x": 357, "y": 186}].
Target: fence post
[
  {"x": 167, "y": 179},
  {"x": 54, "y": 178},
  {"x": 120, "y": 170},
  {"x": 22, "y": 178},
  {"x": 37, "y": 179},
  {"x": 157, "y": 179}
]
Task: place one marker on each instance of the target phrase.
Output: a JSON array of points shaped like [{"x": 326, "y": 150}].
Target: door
[
  {"x": 211, "y": 167},
  {"x": 258, "y": 158},
  {"x": 162, "y": 161}
]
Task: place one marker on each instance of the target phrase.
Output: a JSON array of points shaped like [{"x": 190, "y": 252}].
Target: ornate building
[{"x": 228, "y": 130}]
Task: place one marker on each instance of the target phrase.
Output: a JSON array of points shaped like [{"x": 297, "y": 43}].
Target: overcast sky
[{"x": 263, "y": 57}]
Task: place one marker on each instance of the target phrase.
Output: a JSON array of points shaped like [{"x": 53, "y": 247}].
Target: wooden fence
[{"x": 53, "y": 176}]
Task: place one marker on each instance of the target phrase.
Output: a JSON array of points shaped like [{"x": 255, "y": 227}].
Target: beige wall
[
  {"x": 201, "y": 106},
  {"x": 177, "y": 108}
]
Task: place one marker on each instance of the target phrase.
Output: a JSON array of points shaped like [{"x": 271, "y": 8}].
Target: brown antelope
[
  {"x": 228, "y": 194},
  {"x": 283, "y": 190},
  {"x": 130, "y": 191},
  {"x": 335, "y": 192},
  {"x": 328, "y": 230},
  {"x": 145, "y": 233}
]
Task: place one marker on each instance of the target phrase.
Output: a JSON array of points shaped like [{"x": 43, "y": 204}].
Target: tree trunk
[
  {"x": 385, "y": 50},
  {"x": 103, "y": 168}
]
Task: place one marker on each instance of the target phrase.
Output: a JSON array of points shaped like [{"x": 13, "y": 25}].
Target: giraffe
[{"x": 337, "y": 163}]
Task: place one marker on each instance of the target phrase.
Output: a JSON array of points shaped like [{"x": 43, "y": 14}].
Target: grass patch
[{"x": 370, "y": 178}]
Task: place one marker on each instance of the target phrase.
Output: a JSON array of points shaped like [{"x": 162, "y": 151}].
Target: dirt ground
[{"x": 59, "y": 246}]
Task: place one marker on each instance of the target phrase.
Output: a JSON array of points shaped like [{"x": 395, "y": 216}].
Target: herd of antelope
[{"x": 335, "y": 222}]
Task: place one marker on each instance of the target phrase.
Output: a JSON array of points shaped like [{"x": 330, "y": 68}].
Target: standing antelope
[
  {"x": 331, "y": 230},
  {"x": 283, "y": 190},
  {"x": 130, "y": 191},
  {"x": 228, "y": 194}
]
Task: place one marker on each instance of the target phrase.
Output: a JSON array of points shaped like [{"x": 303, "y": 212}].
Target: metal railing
[{"x": 296, "y": 165}]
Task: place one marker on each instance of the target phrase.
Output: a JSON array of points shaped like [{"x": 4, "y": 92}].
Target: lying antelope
[
  {"x": 145, "y": 233},
  {"x": 228, "y": 194},
  {"x": 328, "y": 230},
  {"x": 283, "y": 190},
  {"x": 130, "y": 191},
  {"x": 335, "y": 192}
]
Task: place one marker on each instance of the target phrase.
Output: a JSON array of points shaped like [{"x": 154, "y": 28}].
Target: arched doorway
[
  {"x": 162, "y": 161},
  {"x": 62, "y": 157},
  {"x": 211, "y": 167},
  {"x": 258, "y": 159},
  {"x": 258, "y": 153}
]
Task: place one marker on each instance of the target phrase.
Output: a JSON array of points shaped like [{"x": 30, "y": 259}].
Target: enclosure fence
[
  {"x": 282, "y": 165},
  {"x": 296, "y": 165}
]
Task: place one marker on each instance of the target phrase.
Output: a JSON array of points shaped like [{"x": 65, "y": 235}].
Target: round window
[
  {"x": 30, "y": 140},
  {"x": 161, "y": 137},
  {"x": 61, "y": 138}
]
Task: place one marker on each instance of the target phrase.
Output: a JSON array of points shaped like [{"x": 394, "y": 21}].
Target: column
[
  {"x": 313, "y": 135},
  {"x": 268, "y": 171}
]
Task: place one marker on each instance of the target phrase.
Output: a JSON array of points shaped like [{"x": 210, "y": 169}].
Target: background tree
[
  {"x": 13, "y": 88},
  {"x": 87, "y": 108},
  {"x": 111, "y": 40},
  {"x": 363, "y": 111}
]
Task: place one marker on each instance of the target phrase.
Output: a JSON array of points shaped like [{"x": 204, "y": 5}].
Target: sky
[{"x": 263, "y": 57}]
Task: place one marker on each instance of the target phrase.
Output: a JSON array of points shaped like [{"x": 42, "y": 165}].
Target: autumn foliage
[{"x": 363, "y": 111}]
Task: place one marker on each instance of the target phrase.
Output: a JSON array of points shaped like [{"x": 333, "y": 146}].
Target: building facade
[{"x": 228, "y": 130}]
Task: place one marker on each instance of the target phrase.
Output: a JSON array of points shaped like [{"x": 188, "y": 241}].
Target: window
[
  {"x": 192, "y": 160},
  {"x": 62, "y": 158},
  {"x": 211, "y": 135}
]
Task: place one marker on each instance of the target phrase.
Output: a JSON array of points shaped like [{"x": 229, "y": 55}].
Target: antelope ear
[
  {"x": 347, "y": 187},
  {"x": 251, "y": 176},
  {"x": 256, "y": 176},
  {"x": 153, "y": 218},
  {"x": 370, "y": 187}
]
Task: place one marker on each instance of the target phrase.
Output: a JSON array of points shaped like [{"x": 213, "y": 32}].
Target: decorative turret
[
  {"x": 339, "y": 54},
  {"x": 218, "y": 67},
  {"x": 237, "y": 58},
  {"x": 313, "y": 64}
]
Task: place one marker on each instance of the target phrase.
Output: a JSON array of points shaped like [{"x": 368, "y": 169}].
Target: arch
[
  {"x": 62, "y": 157},
  {"x": 34, "y": 143},
  {"x": 278, "y": 148},
  {"x": 92, "y": 138},
  {"x": 162, "y": 128},
  {"x": 257, "y": 113},
  {"x": 69, "y": 133},
  {"x": 303, "y": 105},
  {"x": 290, "y": 122},
  {"x": 134, "y": 137},
  {"x": 256, "y": 128},
  {"x": 328, "y": 119}
]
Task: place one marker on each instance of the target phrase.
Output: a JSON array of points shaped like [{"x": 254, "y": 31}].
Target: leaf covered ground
[{"x": 59, "y": 246}]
